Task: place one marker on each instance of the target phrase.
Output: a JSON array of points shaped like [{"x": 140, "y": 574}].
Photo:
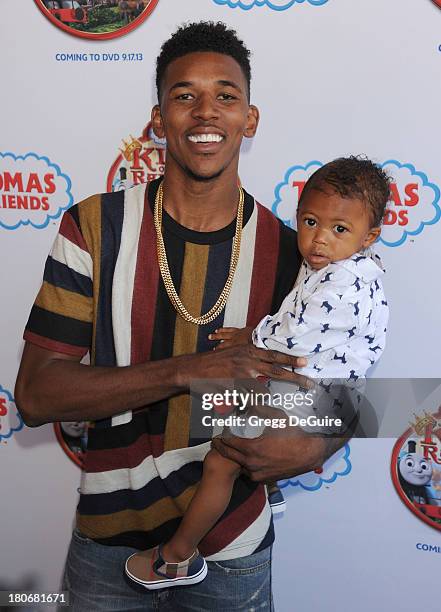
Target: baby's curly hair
[
  {"x": 354, "y": 177},
  {"x": 203, "y": 36}
]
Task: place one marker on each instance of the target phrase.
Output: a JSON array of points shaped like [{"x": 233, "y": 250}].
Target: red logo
[
  {"x": 141, "y": 160},
  {"x": 97, "y": 19},
  {"x": 416, "y": 468}
]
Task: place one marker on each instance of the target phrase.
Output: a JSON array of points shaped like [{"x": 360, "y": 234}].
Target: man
[{"x": 140, "y": 280}]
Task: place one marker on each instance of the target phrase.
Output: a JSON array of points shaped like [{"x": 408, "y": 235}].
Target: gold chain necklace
[{"x": 165, "y": 270}]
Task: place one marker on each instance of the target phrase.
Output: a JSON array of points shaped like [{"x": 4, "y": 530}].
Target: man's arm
[{"x": 56, "y": 387}]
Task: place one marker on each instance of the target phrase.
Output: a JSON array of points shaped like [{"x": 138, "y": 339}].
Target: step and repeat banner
[{"x": 331, "y": 78}]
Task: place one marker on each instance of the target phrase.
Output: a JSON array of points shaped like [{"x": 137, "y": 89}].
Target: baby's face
[{"x": 331, "y": 228}]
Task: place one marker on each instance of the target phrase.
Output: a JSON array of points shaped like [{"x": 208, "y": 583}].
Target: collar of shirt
[{"x": 365, "y": 265}]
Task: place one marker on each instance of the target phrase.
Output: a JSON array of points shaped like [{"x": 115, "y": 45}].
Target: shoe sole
[
  {"x": 169, "y": 582},
  {"x": 278, "y": 508}
]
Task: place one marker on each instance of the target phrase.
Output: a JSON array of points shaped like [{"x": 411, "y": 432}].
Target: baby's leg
[{"x": 207, "y": 506}]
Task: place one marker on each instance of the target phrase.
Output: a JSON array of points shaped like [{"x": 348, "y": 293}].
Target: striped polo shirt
[{"x": 102, "y": 293}]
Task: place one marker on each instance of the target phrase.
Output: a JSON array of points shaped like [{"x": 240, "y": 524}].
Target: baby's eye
[
  {"x": 309, "y": 222},
  {"x": 184, "y": 96},
  {"x": 340, "y": 229}
]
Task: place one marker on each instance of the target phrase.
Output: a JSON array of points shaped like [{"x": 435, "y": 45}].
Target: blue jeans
[{"x": 95, "y": 578}]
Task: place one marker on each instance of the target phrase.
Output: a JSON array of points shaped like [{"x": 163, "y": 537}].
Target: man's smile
[
  {"x": 206, "y": 139},
  {"x": 198, "y": 138}
]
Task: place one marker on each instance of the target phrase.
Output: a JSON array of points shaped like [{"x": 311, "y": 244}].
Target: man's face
[
  {"x": 204, "y": 114},
  {"x": 331, "y": 228}
]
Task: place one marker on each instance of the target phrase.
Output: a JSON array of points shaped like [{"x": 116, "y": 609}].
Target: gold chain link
[{"x": 165, "y": 270}]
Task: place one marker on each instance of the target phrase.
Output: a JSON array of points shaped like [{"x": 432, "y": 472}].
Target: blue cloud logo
[
  {"x": 337, "y": 465},
  {"x": 414, "y": 203},
  {"x": 275, "y": 5},
  {"x": 288, "y": 191},
  {"x": 33, "y": 191},
  {"x": 414, "y": 200},
  {"x": 10, "y": 418}
]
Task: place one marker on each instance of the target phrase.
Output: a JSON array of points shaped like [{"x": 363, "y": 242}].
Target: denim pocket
[
  {"x": 79, "y": 537},
  {"x": 251, "y": 564}
]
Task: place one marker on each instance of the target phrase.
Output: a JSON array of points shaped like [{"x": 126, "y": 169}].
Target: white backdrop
[{"x": 331, "y": 77}]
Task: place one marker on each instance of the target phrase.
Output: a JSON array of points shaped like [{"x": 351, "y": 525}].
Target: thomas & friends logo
[
  {"x": 33, "y": 191},
  {"x": 275, "y": 5},
  {"x": 416, "y": 468},
  {"x": 10, "y": 419},
  {"x": 414, "y": 200},
  {"x": 97, "y": 19},
  {"x": 141, "y": 160}
]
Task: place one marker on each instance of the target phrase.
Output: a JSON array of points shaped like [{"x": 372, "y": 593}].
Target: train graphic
[
  {"x": 77, "y": 11},
  {"x": 97, "y": 18},
  {"x": 72, "y": 437},
  {"x": 67, "y": 11},
  {"x": 416, "y": 468}
]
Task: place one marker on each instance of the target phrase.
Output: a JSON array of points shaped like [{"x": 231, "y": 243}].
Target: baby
[{"x": 336, "y": 316}]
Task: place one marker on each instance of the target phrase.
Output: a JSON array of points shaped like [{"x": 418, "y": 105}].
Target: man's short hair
[
  {"x": 354, "y": 177},
  {"x": 203, "y": 36}
]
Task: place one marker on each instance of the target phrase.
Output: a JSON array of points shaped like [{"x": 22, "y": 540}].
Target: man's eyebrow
[
  {"x": 229, "y": 84},
  {"x": 181, "y": 84},
  {"x": 222, "y": 82}
]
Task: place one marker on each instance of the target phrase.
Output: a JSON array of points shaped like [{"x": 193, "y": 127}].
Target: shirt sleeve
[
  {"x": 325, "y": 320},
  {"x": 61, "y": 318}
]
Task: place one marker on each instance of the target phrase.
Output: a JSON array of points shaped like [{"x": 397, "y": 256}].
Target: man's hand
[
  {"x": 231, "y": 336},
  {"x": 271, "y": 458},
  {"x": 240, "y": 362}
]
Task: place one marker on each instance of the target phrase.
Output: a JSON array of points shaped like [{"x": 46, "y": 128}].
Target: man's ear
[
  {"x": 252, "y": 121},
  {"x": 157, "y": 124},
  {"x": 371, "y": 236}
]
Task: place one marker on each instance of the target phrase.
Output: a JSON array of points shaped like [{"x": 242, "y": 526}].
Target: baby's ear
[{"x": 371, "y": 236}]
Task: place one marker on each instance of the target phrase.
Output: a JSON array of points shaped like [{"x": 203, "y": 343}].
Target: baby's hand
[{"x": 231, "y": 336}]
